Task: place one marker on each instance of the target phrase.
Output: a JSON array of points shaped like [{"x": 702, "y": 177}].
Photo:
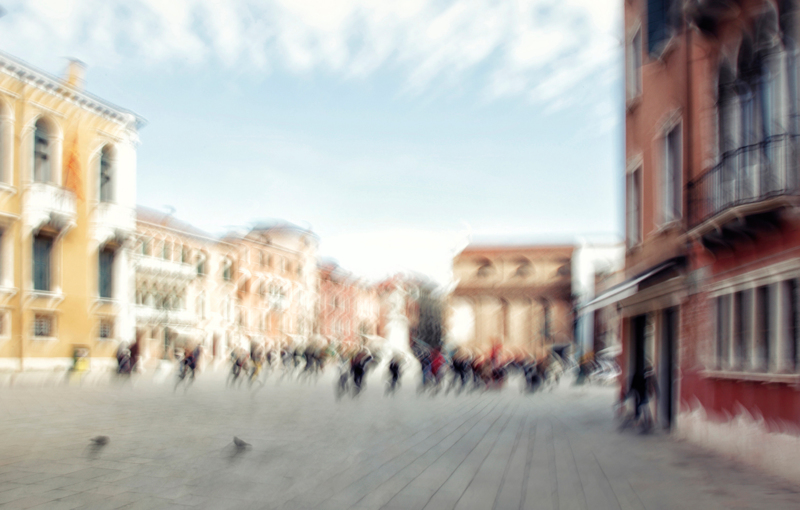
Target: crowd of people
[{"x": 456, "y": 370}]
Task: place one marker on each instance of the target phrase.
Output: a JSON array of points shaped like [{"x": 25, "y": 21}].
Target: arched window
[
  {"x": 227, "y": 271},
  {"x": 524, "y": 268},
  {"x": 107, "y": 174},
  {"x": 726, "y": 109},
  {"x": 42, "y": 151},
  {"x": 789, "y": 31},
  {"x": 201, "y": 264},
  {"x": 201, "y": 305},
  {"x": 485, "y": 268}
]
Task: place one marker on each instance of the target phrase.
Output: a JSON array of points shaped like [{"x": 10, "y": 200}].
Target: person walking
[{"x": 394, "y": 374}]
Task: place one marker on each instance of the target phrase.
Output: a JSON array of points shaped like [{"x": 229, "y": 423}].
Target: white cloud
[{"x": 534, "y": 48}]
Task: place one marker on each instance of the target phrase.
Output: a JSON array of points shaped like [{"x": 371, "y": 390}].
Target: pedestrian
[
  {"x": 643, "y": 386},
  {"x": 394, "y": 373},
  {"x": 123, "y": 359}
]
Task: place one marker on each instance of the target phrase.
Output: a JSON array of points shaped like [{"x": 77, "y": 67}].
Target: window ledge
[
  {"x": 52, "y": 299},
  {"x": 666, "y": 49},
  {"x": 671, "y": 226},
  {"x": 633, "y": 102},
  {"x": 763, "y": 377},
  {"x": 633, "y": 248},
  {"x": 7, "y": 291},
  {"x": 44, "y": 338},
  {"x": 8, "y": 188}
]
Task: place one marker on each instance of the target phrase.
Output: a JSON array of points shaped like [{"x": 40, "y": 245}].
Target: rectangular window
[
  {"x": 792, "y": 326},
  {"x": 741, "y": 328},
  {"x": 106, "y": 328},
  {"x": 723, "y": 331},
  {"x": 634, "y": 207},
  {"x": 764, "y": 331},
  {"x": 43, "y": 325},
  {"x": 673, "y": 177},
  {"x": 42, "y": 255},
  {"x": 660, "y": 23},
  {"x": 634, "y": 77},
  {"x": 106, "y": 273},
  {"x": 184, "y": 255}
]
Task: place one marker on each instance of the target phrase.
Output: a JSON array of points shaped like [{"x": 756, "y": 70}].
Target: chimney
[{"x": 75, "y": 73}]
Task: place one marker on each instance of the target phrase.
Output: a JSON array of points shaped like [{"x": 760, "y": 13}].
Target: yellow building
[{"x": 67, "y": 214}]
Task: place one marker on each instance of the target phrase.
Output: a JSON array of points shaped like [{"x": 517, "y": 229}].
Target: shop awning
[{"x": 621, "y": 291}]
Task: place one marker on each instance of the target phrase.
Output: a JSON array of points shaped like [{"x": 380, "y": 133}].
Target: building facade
[
  {"x": 276, "y": 282},
  {"x": 185, "y": 288},
  {"x": 516, "y": 296},
  {"x": 67, "y": 216},
  {"x": 223, "y": 293},
  {"x": 710, "y": 299},
  {"x": 348, "y": 311}
]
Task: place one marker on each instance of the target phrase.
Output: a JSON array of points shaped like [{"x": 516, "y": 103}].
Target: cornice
[{"x": 56, "y": 87}]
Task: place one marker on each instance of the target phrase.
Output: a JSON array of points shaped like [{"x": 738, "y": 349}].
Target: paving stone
[{"x": 483, "y": 450}]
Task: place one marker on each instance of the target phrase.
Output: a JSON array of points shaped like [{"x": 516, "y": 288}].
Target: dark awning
[{"x": 623, "y": 290}]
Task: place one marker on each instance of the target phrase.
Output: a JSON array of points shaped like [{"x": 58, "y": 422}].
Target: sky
[{"x": 397, "y": 130}]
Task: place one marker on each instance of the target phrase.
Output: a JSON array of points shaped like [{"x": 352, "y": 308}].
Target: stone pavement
[{"x": 492, "y": 450}]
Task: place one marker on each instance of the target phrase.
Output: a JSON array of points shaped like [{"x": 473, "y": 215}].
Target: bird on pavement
[
  {"x": 100, "y": 440},
  {"x": 241, "y": 445}
]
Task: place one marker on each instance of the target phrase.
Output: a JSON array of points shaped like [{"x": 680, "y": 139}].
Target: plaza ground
[{"x": 483, "y": 450}]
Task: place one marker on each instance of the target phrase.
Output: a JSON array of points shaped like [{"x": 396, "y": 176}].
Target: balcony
[
  {"x": 744, "y": 191},
  {"x": 49, "y": 205},
  {"x": 113, "y": 221},
  {"x": 160, "y": 317},
  {"x": 166, "y": 268}
]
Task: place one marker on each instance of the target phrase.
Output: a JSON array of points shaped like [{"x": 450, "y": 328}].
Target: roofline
[
  {"x": 25, "y": 72},
  {"x": 243, "y": 238},
  {"x": 184, "y": 232},
  {"x": 525, "y": 247}
]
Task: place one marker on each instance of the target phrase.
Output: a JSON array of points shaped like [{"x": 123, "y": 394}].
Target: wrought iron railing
[{"x": 747, "y": 175}]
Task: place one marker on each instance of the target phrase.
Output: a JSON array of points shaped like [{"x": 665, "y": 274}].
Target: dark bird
[
  {"x": 241, "y": 445},
  {"x": 100, "y": 440}
]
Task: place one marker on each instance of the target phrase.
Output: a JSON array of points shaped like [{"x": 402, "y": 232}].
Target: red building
[
  {"x": 348, "y": 308},
  {"x": 710, "y": 297}
]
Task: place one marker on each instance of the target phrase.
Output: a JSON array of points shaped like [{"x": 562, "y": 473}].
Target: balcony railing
[
  {"x": 148, "y": 315},
  {"x": 169, "y": 268},
  {"x": 748, "y": 175},
  {"x": 113, "y": 220},
  {"x": 47, "y": 203}
]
